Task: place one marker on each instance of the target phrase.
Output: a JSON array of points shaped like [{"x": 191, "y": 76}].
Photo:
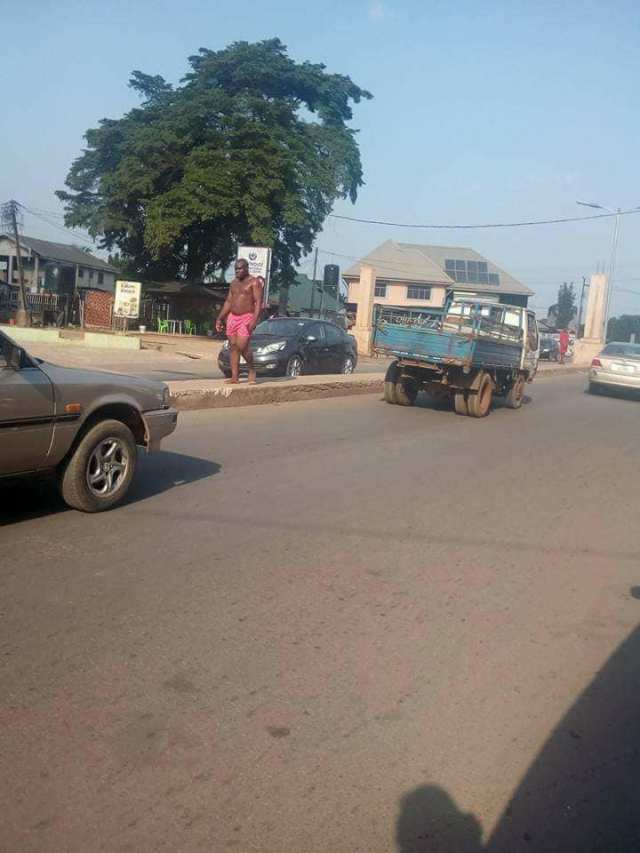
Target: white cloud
[{"x": 376, "y": 10}]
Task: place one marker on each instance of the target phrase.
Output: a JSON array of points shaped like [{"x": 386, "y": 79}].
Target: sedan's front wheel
[
  {"x": 100, "y": 472},
  {"x": 348, "y": 365},
  {"x": 294, "y": 367}
]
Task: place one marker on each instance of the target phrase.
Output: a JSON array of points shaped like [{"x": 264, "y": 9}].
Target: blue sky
[{"x": 482, "y": 112}]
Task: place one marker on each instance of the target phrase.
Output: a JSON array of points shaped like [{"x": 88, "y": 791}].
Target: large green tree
[
  {"x": 251, "y": 147},
  {"x": 566, "y": 307}
]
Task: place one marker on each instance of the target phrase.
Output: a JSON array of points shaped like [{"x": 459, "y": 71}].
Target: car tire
[
  {"x": 294, "y": 367},
  {"x": 515, "y": 394},
  {"x": 348, "y": 365},
  {"x": 108, "y": 443},
  {"x": 225, "y": 373},
  {"x": 460, "y": 404},
  {"x": 479, "y": 404},
  {"x": 390, "y": 384},
  {"x": 594, "y": 388},
  {"x": 406, "y": 391}
]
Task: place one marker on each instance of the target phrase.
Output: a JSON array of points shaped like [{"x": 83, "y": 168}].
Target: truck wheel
[
  {"x": 460, "y": 404},
  {"x": 100, "y": 472},
  {"x": 390, "y": 383},
  {"x": 406, "y": 391},
  {"x": 514, "y": 397},
  {"x": 479, "y": 404}
]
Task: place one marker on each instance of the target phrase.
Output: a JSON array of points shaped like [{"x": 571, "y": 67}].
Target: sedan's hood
[{"x": 86, "y": 385}]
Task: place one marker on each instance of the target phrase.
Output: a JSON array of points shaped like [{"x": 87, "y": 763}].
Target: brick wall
[{"x": 98, "y": 307}]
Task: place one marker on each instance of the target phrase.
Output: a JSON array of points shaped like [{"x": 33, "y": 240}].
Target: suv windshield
[
  {"x": 281, "y": 328},
  {"x": 622, "y": 350}
]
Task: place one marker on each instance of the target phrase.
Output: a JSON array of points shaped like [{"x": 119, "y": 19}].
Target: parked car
[
  {"x": 83, "y": 426},
  {"x": 290, "y": 346},
  {"x": 617, "y": 366},
  {"x": 549, "y": 347}
]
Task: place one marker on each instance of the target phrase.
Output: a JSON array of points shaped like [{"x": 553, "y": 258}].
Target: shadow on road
[
  {"x": 580, "y": 795},
  {"x": 21, "y": 500}
]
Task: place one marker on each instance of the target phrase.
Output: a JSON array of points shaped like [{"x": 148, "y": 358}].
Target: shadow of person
[
  {"x": 430, "y": 822},
  {"x": 582, "y": 792}
]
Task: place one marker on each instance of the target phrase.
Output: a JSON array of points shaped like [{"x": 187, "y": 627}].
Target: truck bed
[{"x": 412, "y": 334}]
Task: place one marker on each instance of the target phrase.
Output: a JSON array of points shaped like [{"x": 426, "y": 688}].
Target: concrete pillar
[
  {"x": 363, "y": 329},
  {"x": 594, "y": 332},
  {"x": 596, "y": 306}
]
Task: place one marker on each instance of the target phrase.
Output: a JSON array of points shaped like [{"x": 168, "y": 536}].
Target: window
[
  {"x": 415, "y": 292},
  {"x": 380, "y": 289},
  {"x": 532, "y": 333},
  {"x": 316, "y": 331},
  {"x": 334, "y": 336},
  {"x": 100, "y": 278},
  {"x": 80, "y": 272}
]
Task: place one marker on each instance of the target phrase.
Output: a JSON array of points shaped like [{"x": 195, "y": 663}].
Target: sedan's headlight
[{"x": 277, "y": 347}]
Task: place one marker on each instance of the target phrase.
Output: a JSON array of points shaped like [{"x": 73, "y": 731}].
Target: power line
[
  {"x": 76, "y": 235},
  {"x": 484, "y": 225}
]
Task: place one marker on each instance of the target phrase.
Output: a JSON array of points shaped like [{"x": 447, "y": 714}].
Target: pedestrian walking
[
  {"x": 241, "y": 311},
  {"x": 564, "y": 344}
]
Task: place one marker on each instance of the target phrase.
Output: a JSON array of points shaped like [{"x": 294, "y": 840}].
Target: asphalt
[{"x": 343, "y": 626}]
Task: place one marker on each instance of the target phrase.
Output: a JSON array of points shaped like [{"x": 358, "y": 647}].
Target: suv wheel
[
  {"x": 348, "y": 365},
  {"x": 101, "y": 470},
  {"x": 294, "y": 366}
]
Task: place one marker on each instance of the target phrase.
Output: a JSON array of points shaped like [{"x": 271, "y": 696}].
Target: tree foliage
[
  {"x": 251, "y": 148},
  {"x": 621, "y": 328},
  {"x": 566, "y": 307}
]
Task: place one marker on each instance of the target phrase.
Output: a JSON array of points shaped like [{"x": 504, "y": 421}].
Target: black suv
[{"x": 289, "y": 346}]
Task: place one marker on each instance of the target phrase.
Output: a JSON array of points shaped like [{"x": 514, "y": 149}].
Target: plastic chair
[
  {"x": 163, "y": 326},
  {"x": 190, "y": 327}
]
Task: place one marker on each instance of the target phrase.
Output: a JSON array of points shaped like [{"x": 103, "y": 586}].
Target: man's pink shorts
[{"x": 240, "y": 325}]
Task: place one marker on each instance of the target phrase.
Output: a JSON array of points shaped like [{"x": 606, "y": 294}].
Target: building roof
[
  {"x": 63, "y": 253},
  {"x": 426, "y": 264},
  {"x": 306, "y": 294}
]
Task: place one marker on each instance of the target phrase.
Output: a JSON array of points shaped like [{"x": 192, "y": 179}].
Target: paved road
[{"x": 334, "y": 626}]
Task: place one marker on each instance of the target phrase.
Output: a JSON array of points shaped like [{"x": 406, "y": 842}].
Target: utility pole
[
  {"x": 584, "y": 284},
  {"x": 10, "y": 216},
  {"x": 313, "y": 283}
]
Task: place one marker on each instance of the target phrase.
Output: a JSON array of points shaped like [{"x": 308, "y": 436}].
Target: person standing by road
[
  {"x": 564, "y": 344},
  {"x": 241, "y": 311}
]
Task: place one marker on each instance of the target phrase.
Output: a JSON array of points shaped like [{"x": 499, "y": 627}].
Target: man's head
[{"x": 242, "y": 268}]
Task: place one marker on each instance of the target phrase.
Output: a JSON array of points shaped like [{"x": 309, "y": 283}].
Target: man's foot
[
  {"x": 252, "y": 377},
  {"x": 231, "y": 382}
]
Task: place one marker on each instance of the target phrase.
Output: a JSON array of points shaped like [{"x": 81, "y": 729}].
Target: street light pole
[{"x": 10, "y": 215}]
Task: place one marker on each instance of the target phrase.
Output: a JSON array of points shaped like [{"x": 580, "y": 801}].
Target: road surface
[{"x": 334, "y": 626}]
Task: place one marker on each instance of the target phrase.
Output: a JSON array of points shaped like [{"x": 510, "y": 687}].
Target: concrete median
[{"x": 215, "y": 394}]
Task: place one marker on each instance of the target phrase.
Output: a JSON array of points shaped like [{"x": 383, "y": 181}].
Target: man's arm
[
  {"x": 258, "y": 288},
  {"x": 225, "y": 310}
]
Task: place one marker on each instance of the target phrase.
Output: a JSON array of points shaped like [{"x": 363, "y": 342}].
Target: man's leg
[
  {"x": 245, "y": 351},
  {"x": 234, "y": 358}
]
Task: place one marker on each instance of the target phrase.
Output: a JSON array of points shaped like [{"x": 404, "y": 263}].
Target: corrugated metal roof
[
  {"x": 63, "y": 253},
  {"x": 426, "y": 264}
]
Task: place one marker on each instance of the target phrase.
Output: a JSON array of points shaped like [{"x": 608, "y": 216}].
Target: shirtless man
[{"x": 241, "y": 310}]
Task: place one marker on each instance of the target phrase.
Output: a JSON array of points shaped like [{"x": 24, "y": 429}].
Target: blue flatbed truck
[{"x": 466, "y": 353}]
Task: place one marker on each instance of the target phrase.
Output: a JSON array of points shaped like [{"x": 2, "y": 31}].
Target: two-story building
[
  {"x": 423, "y": 276},
  {"x": 57, "y": 267}
]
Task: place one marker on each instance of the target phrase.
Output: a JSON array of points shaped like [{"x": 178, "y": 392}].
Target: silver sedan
[{"x": 617, "y": 366}]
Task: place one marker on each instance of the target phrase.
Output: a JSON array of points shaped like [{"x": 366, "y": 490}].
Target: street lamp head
[{"x": 591, "y": 204}]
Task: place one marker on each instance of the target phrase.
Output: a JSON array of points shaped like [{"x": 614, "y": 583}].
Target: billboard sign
[{"x": 127, "y": 299}]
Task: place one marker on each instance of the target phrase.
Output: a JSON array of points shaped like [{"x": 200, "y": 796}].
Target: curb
[
  {"x": 227, "y": 396},
  {"x": 212, "y": 394}
]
